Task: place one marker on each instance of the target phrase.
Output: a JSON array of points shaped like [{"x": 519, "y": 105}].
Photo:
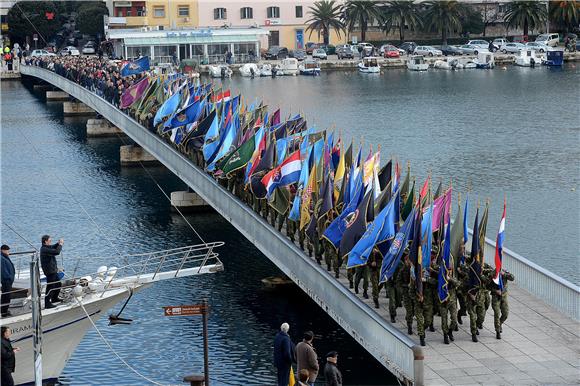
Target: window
[
  {"x": 219, "y": 14},
  {"x": 246, "y": 13},
  {"x": 158, "y": 11},
  {"x": 299, "y": 11},
  {"x": 274, "y": 38},
  {"x": 273, "y": 12},
  {"x": 140, "y": 10},
  {"x": 183, "y": 11}
]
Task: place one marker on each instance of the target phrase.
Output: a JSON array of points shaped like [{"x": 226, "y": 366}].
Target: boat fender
[
  {"x": 111, "y": 273},
  {"x": 96, "y": 286},
  {"x": 101, "y": 271},
  {"x": 77, "y": 291}
]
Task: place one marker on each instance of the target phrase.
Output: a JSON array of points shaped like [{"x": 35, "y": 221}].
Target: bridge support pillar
[
  {"x": 102, "y": 128},
  {"x": 76, "y": 108},
  {"x": 133, "y": 155},
  {"x": 57, "y": 96},
  {"x": 188, "y": 202}
]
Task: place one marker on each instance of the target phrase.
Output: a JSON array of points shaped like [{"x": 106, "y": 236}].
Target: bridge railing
[{"x": 392, "y": 348}]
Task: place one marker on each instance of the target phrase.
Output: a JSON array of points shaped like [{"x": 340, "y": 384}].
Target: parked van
[{"x": 550, "y": 39}]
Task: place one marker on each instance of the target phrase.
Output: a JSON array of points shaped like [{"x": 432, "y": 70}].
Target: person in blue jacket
[
  {"x": 8, "y": 273},
  {"x": 284, "y": 354}
]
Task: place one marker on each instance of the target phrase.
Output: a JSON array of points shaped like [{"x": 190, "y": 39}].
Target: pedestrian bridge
[{"x": 541, "y": 338}]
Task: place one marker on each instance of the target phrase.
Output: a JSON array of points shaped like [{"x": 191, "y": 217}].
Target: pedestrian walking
[
  {"x": 284, "y": 354},
  {"x": 48, "y": 253},
  {"x": 306, "y": 357},
  {"x": 8, "y": 273},
  {"x": 332, "y": 374},
  {"x": 8, "y": 357}
]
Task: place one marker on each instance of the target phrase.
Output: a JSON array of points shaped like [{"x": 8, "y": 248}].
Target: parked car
[
  {"x": 72, "y": 41},
  {"x": 342, "y": 46},
  {"x": 391, "y": 51},
  {"x": 319, "y": 53},
  {"x": 88, "y": 49},
  {"x": 69, "y": 51},
  {"x": 276, "y": 52},
  {"x": 520, "y": 39},
  {"x": 366, "y": 45},
  {"x": 451, "y": 50},
  {"x": 513, "y": 48},
  {"x": 408, "y": 47},
  {"x": 345, "y": 53},
  {"x": 298, "y": 54},
  {"x": 470, "y": 49},
  {"x": 310, "y": 46},
  {"x": 499, "y": 42},
  {"x": 41, "y": 53},
  {"x": 550, "y": 39},
  {"x": 329, "y": 49},
  {"x": 540, "y": 47},
  {"x": 479, "y": 42},
  {"x": 427, "y": 51}
]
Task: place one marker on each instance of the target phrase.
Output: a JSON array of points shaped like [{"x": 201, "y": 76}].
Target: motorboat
[
  {"x": 85, "y": 298},
  {"x": 288, "y": 66},
  {"x": 369, "y": 65},
  {"x": 249, "y": 70},
  {"x": 554, "y": 58},
  {"x": 265, "y": 69},
  {"x": 527, "y": 58},
  {"x": 462, "y": 64},
  {"x": 220, "y": 71},
  {"x": 417, "y": 63},
  {"x": 309, "y": 67},
  {"x": 442, "y": 65},
  {"x": 484, "y": 60}
]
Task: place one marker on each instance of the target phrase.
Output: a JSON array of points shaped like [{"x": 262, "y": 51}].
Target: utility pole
[
  {"x": 36, "y": 319},
  {"x": 548, "y": 16}
]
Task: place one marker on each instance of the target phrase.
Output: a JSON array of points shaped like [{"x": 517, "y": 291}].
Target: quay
[{"x": 540, "y": 340}]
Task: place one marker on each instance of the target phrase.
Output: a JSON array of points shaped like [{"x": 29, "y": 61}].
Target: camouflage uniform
[
  {"x": 375, "y": 262},
  {"x": 329, "y": 252},
  {"x": 402, "y": 279},
  {"x": 417, "y": 306},
  {"x": 392, "y": 295},
  {"x": 291, "y": 229},
  {"x": 449, "y": 308},
  {"x": 499, "y": 303},
  {"x": 361, "y": 272},
  {"x": 429, "y": 293},
  {"x": 349, "y": 274},
  {"x": 483, "y": 295}
]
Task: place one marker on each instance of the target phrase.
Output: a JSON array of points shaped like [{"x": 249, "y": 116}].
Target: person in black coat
[
  {"x": 8, "y": 357},
  {"x": 48, "y": 255},
  {"x": 7, "y": 278},
  {"x": 332, "y": 374},
  {"x": 284, "y": 354}
]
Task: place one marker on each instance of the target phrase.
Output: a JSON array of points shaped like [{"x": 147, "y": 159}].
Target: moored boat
[
  {"x": 369, "y": 65},
  {"x": 484, "y": 60},
  {"x": 309, "y": 67},
  {"x": 220, "y": 71},
  {"x": 554, "y": 58},
  {"x": 417, "y": 63},
  {"x": 527, "y": 58},
  {"x": 288, "y": 66},
  {"x": 442, "y": 65},
  {"x": 249, "y": 70}
]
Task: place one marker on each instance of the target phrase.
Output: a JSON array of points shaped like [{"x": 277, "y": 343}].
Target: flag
[
  {"x": 211, "y": 142},
  {"x": 167, "y": 108},
  {"x": 227, "y": 144},
  {"x": 288, "y": 172},
  {"x": 438, "y": 190},
  {"x": 397, "y": 247},
  {"x": 280, "y": 200},
  {"x": 427, "y": 238},
  {"x": 409, "y": 203},
  {"x": 499, "y": 251},
  {"x": 424, "y": 189},
  {"x": 457, "y": 237},
  {"x": 445, "y": 267},
  {"x": 475, "y": 266},
  {"x": 406, "y": 183},
  {"x": 397, "y": 178},
  {"x": 415, "y": 256},
  {"x": 356, "y": 225},
  {"x": 222, "y": 97},
  {"x": 385, "y": 175},
  {"x": 184, "y": 117},
  {"x": 339, "y": 173},
  {"x": 275, "y": 118},
  {"x": 380, "y": 230},
  {"x": 135, "y": 67},
  {"x": 197, "y": 135},
  {"x": 294, "y": 214},
  {"x": 335, "y": 230},
  {"x": 325, "y": 203},
  {"x": 134, "y": 93},
  {"x": 482, "y": 230},
  {"x": 307, "y": 193},
  {"x": 239, "y": 158},
  {"x": 441, "y": 210},
  {"x": 465, "y": 212}
]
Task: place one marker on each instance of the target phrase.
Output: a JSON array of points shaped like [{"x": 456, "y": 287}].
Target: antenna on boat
[
  {"x": 36, "y": 319},
  {"x": 19, "y": 235}
]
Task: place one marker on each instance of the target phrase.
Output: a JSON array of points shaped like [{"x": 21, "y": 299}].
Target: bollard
[{"x": 195, "y": 380}]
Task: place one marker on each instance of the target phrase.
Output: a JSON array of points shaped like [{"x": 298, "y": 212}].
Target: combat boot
[
  {"x": 393, "y": 320},
  {"x": 376, "y": 303},
  {"x": 459, "y": 320},
  {"x": 456, "y": 328},
  {"x": 422, "y": 340},
  {"x": 350, "y": 284},
  {"x": 480, "y": 326},
  {"x": 451, "y": 338},
  {"x": 337, "y": 275},
  {"x": 356, "y": 289},
  {"x": 445, "y": 339},
  {"x": 431, "y": 328},
  {"x": 474, "y": 338},
  {"x": 497, "y": 335},
  {"x": 328, "y": 267},
  {"x": 410, "y": 329},
  {"x": 477, "y": 332},
  {"x": 365, "y": 294}
]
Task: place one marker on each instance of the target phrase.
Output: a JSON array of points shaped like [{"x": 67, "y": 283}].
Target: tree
[
  {"x": 525, "y": 14},
  {"x": 472, "y": 21},
  {"x": 400, "y": 13},
  {"x": 361, "y": 14},
  {"x": 444, "y": 17},
  {"x": 90, "y": 18},
  {"x": 26, "y": 18},
  {"x": 325, "y": 15},
  {"x": 565, "y": 14}
]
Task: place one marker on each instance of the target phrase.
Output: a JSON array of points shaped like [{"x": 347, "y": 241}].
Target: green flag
[
  {"x": 348, "y": 158},
  {"x": 239, "y": 158},
  {"x": 482, "y": 228},
  {"x": 406, "y": 183},
  {"x": 438, "y": 190},
  {"x": 280, "y": 200},
  {"x": 408, "y": 207}
]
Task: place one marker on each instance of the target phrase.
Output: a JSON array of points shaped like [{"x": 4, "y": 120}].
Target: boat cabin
[{"x": 371, "y": 61}]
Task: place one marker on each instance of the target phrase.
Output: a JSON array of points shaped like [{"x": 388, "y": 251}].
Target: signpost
[
  {"x": 192, "y": 310},
  {"x": 35, "y": 38}
]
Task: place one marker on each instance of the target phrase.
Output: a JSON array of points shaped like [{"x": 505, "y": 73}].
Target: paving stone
[{"x": 481, "y": 370}]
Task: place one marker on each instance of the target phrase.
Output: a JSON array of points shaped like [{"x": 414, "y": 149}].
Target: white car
[
  {"x": 70, "y": 50},
  {"x": 41, "y": 53},
  {"x": 540, "y": 47},
  {"x": 499, "y": 42},
  {"x": 550, "y": 39},
  {"x": 88, "y": 49},
  {"x": 513, "y": 48},
  {"x": 471, "y": 49},
  {"x": 479, "y": 43},
  {"x": 319, "y": 53},
  {"x": 427, "y": 51}
]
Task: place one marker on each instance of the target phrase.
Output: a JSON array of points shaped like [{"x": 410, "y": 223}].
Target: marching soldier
[
  {"x": 461, "y": 291},
  {"x": 448, "y": 310},
  {"x": 429, "y": 291},
  {"x": 417, "y": 303},
  {"x": 483, "y": 295},
  {"x": 362, "y": 273},
  {"x": 404, "y": 278},
  {"x": 375, "y": 261},
  {"x": 393, "y": 286},
  {"x": 499, "y": 302}
]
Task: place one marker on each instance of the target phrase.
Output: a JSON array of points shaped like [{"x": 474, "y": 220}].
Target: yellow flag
[
  {"x": 369, "y": 169},
  {"x": 339, "y": 175},
  {"x": 307, "y": 199},
  {"x": 291, "y": 380}
]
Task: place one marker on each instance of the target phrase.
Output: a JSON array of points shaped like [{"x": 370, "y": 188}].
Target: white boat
[
  {"x": 484, "y": 60},
  {"x": 220, "y": 71},
  {"x": 527, "y": 58},
  {"x": 417, "y": 63},
  {"x": 265, "y": 69},
  {"x": 369, "y": 65},
  {"x": 90, "y": 296},
  {"x": 442, "y": 65},
  {"x": 309, "y": 67},
  {"x": 288, "y": 66},
  {"x": 249, "y": 70},
  {"x": 462, "y": 64}
]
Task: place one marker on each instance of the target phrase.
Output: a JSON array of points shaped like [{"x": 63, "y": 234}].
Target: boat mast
[{"x": 36, "y": 319}]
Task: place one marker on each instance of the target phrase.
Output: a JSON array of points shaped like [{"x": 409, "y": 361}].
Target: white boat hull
[
  {"x": 368, "y": 70},
  {"x": 418, "y": 67},
  {"x": 216, "y": 71}
]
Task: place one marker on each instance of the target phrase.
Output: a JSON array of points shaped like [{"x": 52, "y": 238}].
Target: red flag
[{"x": 425, "y": 188}]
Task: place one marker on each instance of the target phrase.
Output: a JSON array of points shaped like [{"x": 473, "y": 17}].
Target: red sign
[
  {"x": 186, "y": 310},
  {"x": 49, "y": 15}
]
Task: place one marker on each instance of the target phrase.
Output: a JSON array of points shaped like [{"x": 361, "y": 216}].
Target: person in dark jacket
[
  {"x": 306, "y": 357},
  {"x": 48, "y": 253},
  {"x": 284, "y": 354},
  {"x": 8, "y": 357},
  {"x": 332, "y": 374},
  {"x": 7, "y": 280}
]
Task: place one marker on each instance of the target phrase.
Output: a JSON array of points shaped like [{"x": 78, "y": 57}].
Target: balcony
[{"x": 128, "y": 21}]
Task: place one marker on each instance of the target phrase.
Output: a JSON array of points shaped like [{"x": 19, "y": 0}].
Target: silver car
[
  {"x": 540, "y": 47},
  {"x": 480, "y": 43},
  {"x": 470, "y": 49},
  {"x": 427, "y": 51},
  {"x": 512, "y": 48},
  {"x": 41, "y": 53}
]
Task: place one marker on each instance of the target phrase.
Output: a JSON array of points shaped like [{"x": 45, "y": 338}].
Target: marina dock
[{"x": 540, "y": 340}]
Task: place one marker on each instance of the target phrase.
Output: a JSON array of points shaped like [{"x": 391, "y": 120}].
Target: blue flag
[
  {"x": 427, "y": 239},
  {"x": 167, "y": 108},
  {"x": 185, "y": 116},
  {"x": 227, "y": 145},
  {"x": 445, "y": 267},
  {"x": 135, "y": 67},
  {"x": 398, "y": 246},
  {"x": 465, "y": 233},
  {"x": 211, "y": 140},
  {"x": 335, "y": 230}
]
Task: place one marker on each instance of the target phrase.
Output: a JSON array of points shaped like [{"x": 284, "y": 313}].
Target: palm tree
[
  {"x": 401, "y": 13},
  {"x": 525, "y": 14},
  {"x": 565, "y": 13},
  {"x": 444, "y": 17},
  {"x": 325, "y": 16},
  {"x": 361, "y": 14}
]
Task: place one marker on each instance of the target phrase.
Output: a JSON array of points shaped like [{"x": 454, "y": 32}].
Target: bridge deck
[{"x": 539, "y": 345}]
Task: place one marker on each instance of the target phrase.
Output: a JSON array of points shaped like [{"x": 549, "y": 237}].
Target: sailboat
[{"x": 86, "y": 298}]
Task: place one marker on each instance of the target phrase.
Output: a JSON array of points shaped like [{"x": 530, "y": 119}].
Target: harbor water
[{"x": 513, "y": 132}]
